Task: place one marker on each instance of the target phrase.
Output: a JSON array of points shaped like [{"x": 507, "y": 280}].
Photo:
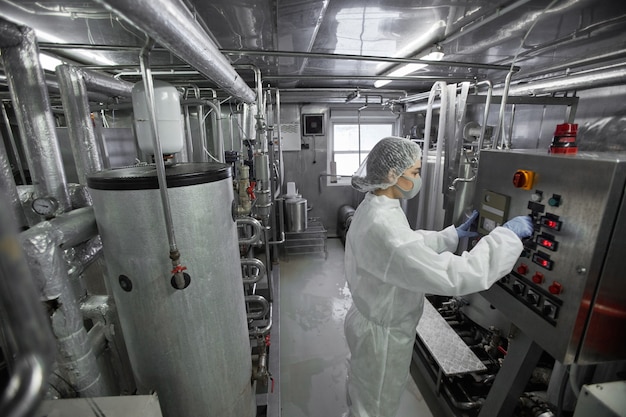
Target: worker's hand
[
  {"x": 464, "y": 229},
  {"x": 522, "y": 226}
]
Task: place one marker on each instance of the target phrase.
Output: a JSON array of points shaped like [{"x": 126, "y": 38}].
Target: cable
[
  {"x": 519, "y": 49},
  {"x": 561, "y": 398}
]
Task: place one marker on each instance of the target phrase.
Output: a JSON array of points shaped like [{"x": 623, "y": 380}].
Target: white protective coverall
[{"x": 389, "y": 268}]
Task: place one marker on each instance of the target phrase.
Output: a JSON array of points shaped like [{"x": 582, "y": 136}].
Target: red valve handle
[
  {"x": 178, "y": 268},
  {"x": 250, "y": 190}
]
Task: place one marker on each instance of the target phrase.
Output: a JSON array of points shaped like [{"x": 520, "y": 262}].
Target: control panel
[{"x": 564, "y": 291}]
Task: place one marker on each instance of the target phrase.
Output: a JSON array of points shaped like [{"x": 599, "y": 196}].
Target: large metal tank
[{"x": 191, "y": 346}]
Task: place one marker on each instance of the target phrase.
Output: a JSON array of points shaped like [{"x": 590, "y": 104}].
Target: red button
[
  {"x": 522, "y": 269},
  {"x": 555, "y": 288},
  {"x": 538, "y": 278}
]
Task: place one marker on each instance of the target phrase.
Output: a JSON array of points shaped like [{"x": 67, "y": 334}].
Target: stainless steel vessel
[
  {"x": 296, "y": 214},
  {"x": 191, "y": 346}
]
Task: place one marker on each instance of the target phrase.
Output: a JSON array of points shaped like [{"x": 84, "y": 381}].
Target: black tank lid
[{"x": 144, "y": 177}]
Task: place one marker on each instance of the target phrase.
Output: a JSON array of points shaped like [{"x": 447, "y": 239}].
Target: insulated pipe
[
  {"x": 16, "y": 153},
  {"x": 28, "y": 326},
  {"x": 9, "y": 189},
  {"x": 44, "y": 245},
  {"x": 171, "y": 24},
  {"x": 581, "y": 81},
  {"x": 259, "y": 86},
  {"x": 53, "y": 86},
  {"x": 79, "y": 123},
  {"x": 32, "y": 109},
  {"x": 101, "y": 83}
]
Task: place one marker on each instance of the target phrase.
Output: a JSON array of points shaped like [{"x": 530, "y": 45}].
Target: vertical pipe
[
  {"x": 204, "y": 157},
  {"x": 32, "y": 108},
  {"x": 160, "y": 166},
  {"x": 505, "y": 95},
  {"x": 219, "y": 142},
  {"x": 188, "y": 136},
  {"x": 16, "y": 152},
  {"x": 485, "y": 115},
  {"x": 32, "y": 341},
  {"x": 79, "y": 123},
  {"x": 9, "y": 189},
  {"x": 44, "y": 246}
]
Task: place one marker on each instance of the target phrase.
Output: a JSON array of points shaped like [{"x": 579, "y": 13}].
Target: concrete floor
[{"x": 314, "y": 299}]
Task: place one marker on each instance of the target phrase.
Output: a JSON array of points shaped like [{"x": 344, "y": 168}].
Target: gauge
[{"x": 45, "y": 206}]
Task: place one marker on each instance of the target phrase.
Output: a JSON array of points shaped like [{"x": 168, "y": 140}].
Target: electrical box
[
  {"x": 567, "y": 290},
  {"x": 313, "y": 125},
  {"x": 602, "y": 400}
]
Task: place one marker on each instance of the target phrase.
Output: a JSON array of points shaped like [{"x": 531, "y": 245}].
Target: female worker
[{"x": 389, "y": 268}]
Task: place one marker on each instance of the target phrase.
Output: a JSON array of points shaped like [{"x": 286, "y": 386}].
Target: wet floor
[{"x": 314, "y": 300}]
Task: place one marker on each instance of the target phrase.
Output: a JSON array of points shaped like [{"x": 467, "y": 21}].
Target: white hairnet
[{"x": 385, "y": 163}]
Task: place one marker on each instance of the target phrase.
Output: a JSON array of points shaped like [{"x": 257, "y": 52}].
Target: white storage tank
[
  {"x": 168, "y": 114},
  {"x": 191, "y": 346}
]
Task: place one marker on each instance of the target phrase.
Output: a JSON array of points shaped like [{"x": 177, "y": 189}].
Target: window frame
[{"x": 345, "y": 117}]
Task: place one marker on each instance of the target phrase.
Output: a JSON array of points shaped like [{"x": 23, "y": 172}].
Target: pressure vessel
[
  {"x": 189, "y": 345},
  {"x": 168, "y": 118}
]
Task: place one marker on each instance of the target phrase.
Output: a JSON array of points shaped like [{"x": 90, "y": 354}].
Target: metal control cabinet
[{"x": 567, "y": 291}]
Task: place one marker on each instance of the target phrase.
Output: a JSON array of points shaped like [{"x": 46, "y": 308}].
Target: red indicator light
[
  {"x": 547, "y": 242},
  {"x": 543, "y": 261},
  {"x": 551, "y": 223}
]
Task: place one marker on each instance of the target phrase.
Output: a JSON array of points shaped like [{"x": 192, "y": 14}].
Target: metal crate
[{"x": 310, "y": 241}]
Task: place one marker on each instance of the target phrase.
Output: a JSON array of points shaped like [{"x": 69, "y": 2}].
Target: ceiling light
[
  {"x": 49, "y": 62},
  {"x": 435, "y": 54}
]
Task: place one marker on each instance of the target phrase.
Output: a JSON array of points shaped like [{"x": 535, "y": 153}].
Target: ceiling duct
[
  {"x": 105, "y": 84},
  {"x": 584, "y": 81},
  {"x": 170, "y": 24}
]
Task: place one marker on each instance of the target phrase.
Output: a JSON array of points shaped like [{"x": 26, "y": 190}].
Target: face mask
[{"x": 417, "y": 185}]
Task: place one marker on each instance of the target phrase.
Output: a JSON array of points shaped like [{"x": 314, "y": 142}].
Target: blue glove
[
  {"x": 463, "y": 230},
  {"x": 522, "y": 226}
]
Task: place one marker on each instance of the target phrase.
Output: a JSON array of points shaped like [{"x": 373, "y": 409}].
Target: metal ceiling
[{"x": 331, "y": 44}]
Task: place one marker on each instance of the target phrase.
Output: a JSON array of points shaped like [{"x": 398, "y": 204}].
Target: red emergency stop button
[
  {"x": 537, "y": 278},
  {"x": 555, "y": 288},
  {"x": 522, "y": 269},
  {"x": 524, "y": 179}
]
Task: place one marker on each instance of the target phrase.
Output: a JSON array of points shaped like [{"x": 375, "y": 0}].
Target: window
[{"x": 352, "y": 138}]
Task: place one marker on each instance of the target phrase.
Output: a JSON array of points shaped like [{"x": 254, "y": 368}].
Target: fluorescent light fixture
[
  {"x": 88, "y": 55},
  {"x": 49, "y": 62},
  {"x": 436, "y": 54}
]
